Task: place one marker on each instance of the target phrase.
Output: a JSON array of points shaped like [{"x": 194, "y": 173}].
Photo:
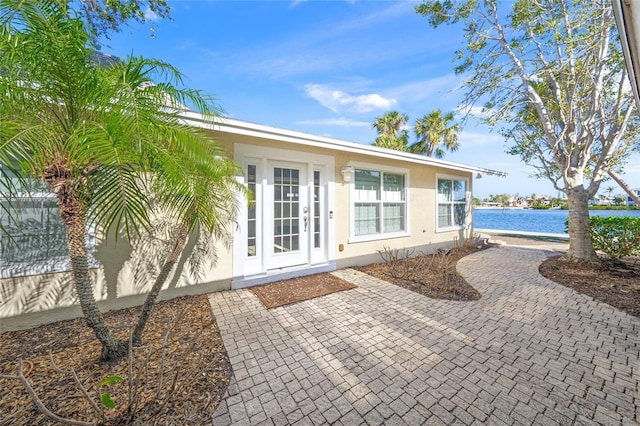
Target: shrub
[{"x": 616, "y": 236}]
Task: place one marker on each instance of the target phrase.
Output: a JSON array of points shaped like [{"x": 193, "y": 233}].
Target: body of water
[{"x": 530, "y": 220}]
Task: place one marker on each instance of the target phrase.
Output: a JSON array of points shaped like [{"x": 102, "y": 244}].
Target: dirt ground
[
  {"x": 194, "y": 368},
  {"x": 299, "y": 289},
  {"x": 182, "y": 384},
  {"x": 433, "y": 276}
]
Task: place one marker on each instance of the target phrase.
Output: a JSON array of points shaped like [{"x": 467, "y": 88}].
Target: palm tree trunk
[
  {"x": 162, "y": 277},
  {"x": 634, "y": 196},
  {"x": 75, "y": 223},
  {"x": 580, "y": 244}
]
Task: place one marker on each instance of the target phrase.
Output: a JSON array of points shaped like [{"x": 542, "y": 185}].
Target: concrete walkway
[{"x": 529, "y": 352}]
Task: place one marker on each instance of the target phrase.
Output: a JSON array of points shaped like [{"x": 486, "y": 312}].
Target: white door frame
[
  {"x": 286, "y": 211},
  {"x": 262, "y": 263}
]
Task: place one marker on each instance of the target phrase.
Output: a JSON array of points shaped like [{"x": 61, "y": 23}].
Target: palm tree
[
  {"x": 390, "y": 132},
  {"x": 103, "y": 138},
  {"x": 434, "y": 136},
  {"x": 610, "y": 190}
]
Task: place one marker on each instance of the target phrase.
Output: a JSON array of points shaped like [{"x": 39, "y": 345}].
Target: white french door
[{"x": 287, "y": 215}]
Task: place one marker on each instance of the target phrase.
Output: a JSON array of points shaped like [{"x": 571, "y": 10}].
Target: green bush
[
  {"x": 616, "y": 236},
  {"x": 614, "y": 208}
]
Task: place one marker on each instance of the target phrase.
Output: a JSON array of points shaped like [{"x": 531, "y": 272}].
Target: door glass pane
[
  {"x": 285, "y": 210},
  {"x": 251, "y": 212},
  {"x": 316, "y": 209}
]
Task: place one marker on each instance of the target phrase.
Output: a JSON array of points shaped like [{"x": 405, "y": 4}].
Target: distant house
[
  {"x": 601, "y": 200},
  {"x": 320, "y": 204}
]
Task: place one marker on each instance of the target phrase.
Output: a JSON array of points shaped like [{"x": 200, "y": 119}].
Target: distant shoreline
[
  {"x": 498, "y": 208},
  {"x": 598, "y": 208}
]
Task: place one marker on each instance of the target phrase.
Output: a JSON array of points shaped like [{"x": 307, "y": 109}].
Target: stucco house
[{"x": 320, "y": 204}]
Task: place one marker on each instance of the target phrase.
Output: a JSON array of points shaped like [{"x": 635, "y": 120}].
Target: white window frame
[
  {"x": 353, "y": 238},
  {"x": 452, "y": 203}
]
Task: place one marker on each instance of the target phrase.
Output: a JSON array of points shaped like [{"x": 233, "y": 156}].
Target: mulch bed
[
  {"x": 434, "y": 276},
  {"x": 295, "y": 290},
  {"x": 614, "y": 282},
  {"x": 194, "y": 363}
]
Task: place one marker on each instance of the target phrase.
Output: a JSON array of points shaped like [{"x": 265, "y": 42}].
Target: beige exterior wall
[
  {"x": 422, "y": 212},
  {"x": 422, "y": 204},
  {"x": 125, "y": 275},
  {"x": 127, "y": 272}
]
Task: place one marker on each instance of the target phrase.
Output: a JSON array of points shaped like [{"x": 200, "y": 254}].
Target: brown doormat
[{"x": 299, "y": 289}]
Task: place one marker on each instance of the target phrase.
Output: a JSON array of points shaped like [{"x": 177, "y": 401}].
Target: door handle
[{"x": 305, "y": 210}]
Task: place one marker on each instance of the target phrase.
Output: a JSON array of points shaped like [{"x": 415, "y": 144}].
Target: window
[
  {"x": 452, "y": 203},
  {"x": 379, "y": 203},
  {"x": 38, "y": 241},
  {"x": 251, "y": 212}
]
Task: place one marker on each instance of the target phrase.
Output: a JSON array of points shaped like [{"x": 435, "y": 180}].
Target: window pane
[
  {"x": 459, "y": 190},
  {"x": 251, "y": 247},
  {"x": 459, "y": 216},
  {"x": 367, "y": 185},
  {"x": 393, "y": 187},
  {"x": 37, "y": 232},
  {"x": 367, "y": 219},
  {"x": 444, "y": 191},
  {"x": 444, "y": 215},
  {"x": 393, "y": 217}
]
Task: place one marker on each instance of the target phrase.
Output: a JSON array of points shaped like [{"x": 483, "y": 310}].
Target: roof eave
[
  {"x": 239, "y": 127},
  {"x": 627, "y": 15}
]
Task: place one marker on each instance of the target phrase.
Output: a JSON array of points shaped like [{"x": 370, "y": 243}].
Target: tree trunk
[
  {"x": 580, "y": 244},
  {"x": 634, "y": 196},
  {"x": 70, "y": 212},
  {"x": 162, "y": 277}
]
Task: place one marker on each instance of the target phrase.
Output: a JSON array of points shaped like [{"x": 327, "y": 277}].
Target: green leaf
[
  {"x": 107, "y": 401},
  {"x": 111, "y": 380}
]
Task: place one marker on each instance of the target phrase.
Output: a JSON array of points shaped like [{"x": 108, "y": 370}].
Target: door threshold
[{"x": 281, "y": 274}]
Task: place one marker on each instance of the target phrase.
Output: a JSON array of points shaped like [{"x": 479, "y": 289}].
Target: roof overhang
[
  {"x": 627, "y": 13},
  {"x": 229, "y": 125}
]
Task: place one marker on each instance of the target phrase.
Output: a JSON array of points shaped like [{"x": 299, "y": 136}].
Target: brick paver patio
[{"x": 529, "y": 352}]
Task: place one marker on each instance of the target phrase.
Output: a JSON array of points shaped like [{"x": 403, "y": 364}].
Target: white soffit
[
  {"x": 229, "y": 125},
  {"x": 627, "y": 13}
]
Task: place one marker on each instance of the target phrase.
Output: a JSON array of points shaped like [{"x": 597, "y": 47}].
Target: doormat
[{"x": 299, "y": 289}]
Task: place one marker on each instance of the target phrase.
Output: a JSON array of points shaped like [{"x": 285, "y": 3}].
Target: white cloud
[
  {"x": 435, "y": 90},
  {"x": 474, "y": 139},
  {"x": 337, "y": 100},
  {"x": 342, "y": 122},
  {"x": 150, "y": 15}
]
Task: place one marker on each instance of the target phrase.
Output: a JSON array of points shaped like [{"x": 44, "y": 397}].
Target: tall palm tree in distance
[
  {"x": 435, "y": 135},
  {"x": 390, "y": 131}
]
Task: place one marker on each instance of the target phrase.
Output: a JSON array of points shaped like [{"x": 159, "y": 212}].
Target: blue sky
[{"x": 327, "y": 68}]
